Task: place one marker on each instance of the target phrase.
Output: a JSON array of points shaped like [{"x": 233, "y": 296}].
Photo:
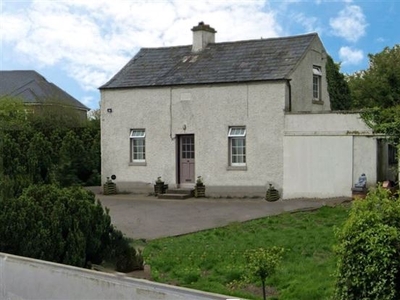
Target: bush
[
  {"x": 64, "y": 225},
  {"x": 126, "y": 258},
  {"x": 369, "y": 249}
]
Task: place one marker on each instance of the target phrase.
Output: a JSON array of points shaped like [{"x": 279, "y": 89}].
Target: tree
[
  {"x": 56, "y": 146},
  {"x": 338, "y": 89},
  {"x": 379, "y": 85},
  {"x": 262, "y": 263}
]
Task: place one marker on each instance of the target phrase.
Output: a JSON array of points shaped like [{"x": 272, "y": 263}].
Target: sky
[{"x": 80, "y": 44}]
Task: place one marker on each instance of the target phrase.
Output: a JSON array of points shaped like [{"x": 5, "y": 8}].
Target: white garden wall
[{"x": 24, "y": 279}]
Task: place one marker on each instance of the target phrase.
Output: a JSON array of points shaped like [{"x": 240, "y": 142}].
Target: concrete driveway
[{"x": 141, "y": 216}]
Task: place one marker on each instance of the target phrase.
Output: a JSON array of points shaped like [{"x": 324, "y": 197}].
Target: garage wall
[
  {"x": 325, "y": 153},
  {"x": 317, "y": 166}
]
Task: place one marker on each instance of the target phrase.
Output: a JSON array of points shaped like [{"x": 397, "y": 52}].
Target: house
[
  {"x": 240, "y": 114},
  {"x": 37, "y": 93}
]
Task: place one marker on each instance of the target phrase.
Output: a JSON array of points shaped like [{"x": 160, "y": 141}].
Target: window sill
[
  {"x": 138, "y": 163},
  {"x": 236, "y": 168},
  {"x": 319, "y": 102}
]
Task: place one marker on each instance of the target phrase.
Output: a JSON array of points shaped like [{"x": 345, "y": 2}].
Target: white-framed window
[
  {"x": 317, "y": 75},
  {"x": 237, "y": 146},
  {"x": 138, "y": 145}
]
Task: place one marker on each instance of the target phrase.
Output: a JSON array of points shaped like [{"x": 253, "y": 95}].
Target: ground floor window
[
  {"x": 237, "y": 146},
  {"x": 138, "y": 145}
]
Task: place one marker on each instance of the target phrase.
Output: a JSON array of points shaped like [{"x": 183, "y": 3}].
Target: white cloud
[
  {"x": 350, "y": 24},
  {"x": 350, "y": 56},
  {"x": 310, "y": 24},
  {"x": 91, "y": 40}
]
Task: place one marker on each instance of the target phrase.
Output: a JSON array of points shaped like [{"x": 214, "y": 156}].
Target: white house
[{"x": 240, "y": 114}]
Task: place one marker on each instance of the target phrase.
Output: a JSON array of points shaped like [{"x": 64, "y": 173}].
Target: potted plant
[
  {"x": 160, "y": 187},
  {"x": 272, "y": 194},
  {"x": 200, "y": 188}
]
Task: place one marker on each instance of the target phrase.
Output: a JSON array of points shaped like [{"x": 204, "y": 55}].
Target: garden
[{"x": 215, "y": 260}]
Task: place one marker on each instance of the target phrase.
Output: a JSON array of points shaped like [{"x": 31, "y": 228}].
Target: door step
[{"x": 177, "y": 194}]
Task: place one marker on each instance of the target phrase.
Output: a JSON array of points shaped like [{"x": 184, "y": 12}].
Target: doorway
[{"x": 186, "y": 159}]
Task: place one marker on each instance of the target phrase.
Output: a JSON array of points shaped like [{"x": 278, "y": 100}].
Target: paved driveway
[{"x": 140, "y": 216}]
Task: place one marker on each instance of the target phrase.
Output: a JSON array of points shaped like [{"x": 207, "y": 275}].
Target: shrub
[
  {"x": 368, "y": 249},
  {"x": 126, "y": 257},
  {"x": 64, "y": 225}
]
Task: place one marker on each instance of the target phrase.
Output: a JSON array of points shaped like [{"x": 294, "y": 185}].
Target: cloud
[
  {"x": 310, "y": 24},
  {"x": 92, "y": 40},
  {"x": 350, "y": 56},
  {"x": 350, "y": 24}
]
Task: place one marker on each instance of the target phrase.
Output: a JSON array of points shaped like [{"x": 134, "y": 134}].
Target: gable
[
  {"x": 33, "y": 88},
  {"x": 230, "y": 62}
]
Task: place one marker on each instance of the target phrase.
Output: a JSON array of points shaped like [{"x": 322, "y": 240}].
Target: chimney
[{"x": 203, "y": 35}]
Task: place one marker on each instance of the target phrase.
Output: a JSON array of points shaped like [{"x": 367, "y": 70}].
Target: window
[
  {"x": 392, "y": 155},
  {"x": 138, "y": 145},
  {"x": 237, "y": 146},
  {"x": 317, "y": 74}
]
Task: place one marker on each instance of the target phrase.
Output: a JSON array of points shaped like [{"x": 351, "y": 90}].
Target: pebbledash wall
[
  {"x": 24, "y": 278},
  {"x": 325, "y": 153},
  {"x": 207, "y": 112}
]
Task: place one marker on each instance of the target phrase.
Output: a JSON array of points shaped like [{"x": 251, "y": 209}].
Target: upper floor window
[
  {"x": 138, "y": 145},
  {"x": 237, "y": 146},
  {"x": 317, "y": 75}
]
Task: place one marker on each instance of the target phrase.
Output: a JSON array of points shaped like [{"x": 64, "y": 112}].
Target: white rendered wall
[
  {"x": 207, "y": 112},
  {"x": 317, "y": 166},
  {"x": 24, "y": 278},
  {"x": 302, "y": 81},
  {"x": 365, "y": 159},
  {"x": 325, "y": 153}
]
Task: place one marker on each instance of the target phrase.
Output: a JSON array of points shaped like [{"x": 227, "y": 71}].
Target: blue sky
[{"x": 80, "y": 44}]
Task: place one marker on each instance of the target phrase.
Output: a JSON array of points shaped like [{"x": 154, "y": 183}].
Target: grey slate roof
[
  {"x": 242, "y": 61},
  {"x": 33, "y": 88}
]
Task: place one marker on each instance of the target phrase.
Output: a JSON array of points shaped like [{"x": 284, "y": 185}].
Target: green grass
[{"x": 211, "y": 260}]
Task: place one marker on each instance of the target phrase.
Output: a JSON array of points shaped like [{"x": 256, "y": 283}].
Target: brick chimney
[{"x": 203, "y": 35}]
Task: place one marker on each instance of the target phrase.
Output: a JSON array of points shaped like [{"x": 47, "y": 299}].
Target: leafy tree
[
  {"x": 368, "y": 250},
  {"x": 262, "y": 263},
  {"x": 338, "y": 89},
  {"x": 379, "y": 85},
  {"x": 51, "y": 146}
]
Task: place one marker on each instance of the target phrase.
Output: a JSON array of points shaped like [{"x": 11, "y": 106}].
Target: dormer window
[{"x": 317, "y": 75}]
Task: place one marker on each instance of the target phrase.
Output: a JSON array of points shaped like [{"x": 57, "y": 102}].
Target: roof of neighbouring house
[
  {"x": 33, "y": 88},
  {"x": 228, "y": 62}
]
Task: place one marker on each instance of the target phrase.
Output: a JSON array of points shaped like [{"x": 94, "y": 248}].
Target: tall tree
[
  {"x": 379, "y": 85},
  {"x": 338, "y": 89}
]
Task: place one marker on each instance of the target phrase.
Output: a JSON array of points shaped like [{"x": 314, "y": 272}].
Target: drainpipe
[
  {"x": 170, "y": 114},
  {"x": 290, "y": 94}
]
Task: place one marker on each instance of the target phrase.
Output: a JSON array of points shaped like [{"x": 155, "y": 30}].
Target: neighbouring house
[
  {"x": 37, "y": 93},
  {"x": 240, "y": 114}
]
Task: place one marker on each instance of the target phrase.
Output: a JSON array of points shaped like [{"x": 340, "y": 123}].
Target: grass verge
[{"x": 212, "y": 260}]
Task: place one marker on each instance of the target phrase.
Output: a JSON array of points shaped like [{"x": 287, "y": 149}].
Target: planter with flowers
[
  {"x": 160, "y": 187},
  {"x": 200, "y": 188}
]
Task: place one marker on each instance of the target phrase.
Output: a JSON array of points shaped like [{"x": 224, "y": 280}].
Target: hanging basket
[{"x": 272, "y": 194}]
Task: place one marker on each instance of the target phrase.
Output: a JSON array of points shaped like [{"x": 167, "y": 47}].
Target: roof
[
  {"x": 229, "y": 62},
  {"x": 33, "y": 88}
]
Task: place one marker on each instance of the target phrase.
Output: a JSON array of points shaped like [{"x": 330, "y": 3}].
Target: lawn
[{"x": 212, "y": 260}]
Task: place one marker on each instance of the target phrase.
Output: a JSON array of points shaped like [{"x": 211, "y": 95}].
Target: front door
[{"x": 186, "y": 159}]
